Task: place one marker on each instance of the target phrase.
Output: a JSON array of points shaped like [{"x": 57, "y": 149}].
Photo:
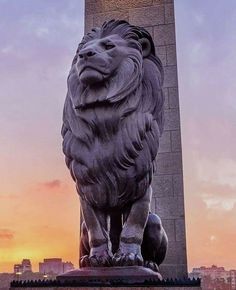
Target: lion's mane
[{"x": 111, "y": 142}]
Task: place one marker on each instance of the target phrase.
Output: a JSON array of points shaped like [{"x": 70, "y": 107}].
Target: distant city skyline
[
  {"x": 211, "y": 277},
  {"x": 39, "y": 207},
  {"x": 60, "y": 260},
  {"x": 47, "y": 265},
  {"x": 215, "y": 277}
]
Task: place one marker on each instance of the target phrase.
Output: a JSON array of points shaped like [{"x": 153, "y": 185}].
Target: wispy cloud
[
  {"x": 7, "y": 49},
  {"x": 219, "y": 203},
  {"x": 42, "y": 32},
  {"x": 218, "y": 197},
  {"x": 221, "y": 171}
]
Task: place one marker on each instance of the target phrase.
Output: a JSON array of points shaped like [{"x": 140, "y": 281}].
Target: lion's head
[{"x": 113, "y": 62}]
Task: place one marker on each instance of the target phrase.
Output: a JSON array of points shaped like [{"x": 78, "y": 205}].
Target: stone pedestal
[
  {"x": 157, "y": 16},
  {"x": 111, "y": 275}
]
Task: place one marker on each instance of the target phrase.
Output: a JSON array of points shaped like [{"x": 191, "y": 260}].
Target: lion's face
[{"x": 99, "y": 58}]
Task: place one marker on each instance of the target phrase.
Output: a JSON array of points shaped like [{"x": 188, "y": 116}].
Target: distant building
[
  {"x": 67, "y": 266},
  {"x": 55, "y": 266},
  {"x": 233, "y": 279},
  {"x": 25, "y": 266},
  {"x": 214, "y": 274},
  {"x": 17, "y": 268}
]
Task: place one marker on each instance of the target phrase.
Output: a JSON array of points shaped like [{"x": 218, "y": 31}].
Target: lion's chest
[
  {"x": 107, "y": 157},
  {"x": 102, "y": 135}
]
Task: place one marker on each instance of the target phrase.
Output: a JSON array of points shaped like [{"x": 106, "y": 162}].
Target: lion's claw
[
  {"x": 127, "y": 259},
  {"x": 151, "y": 265},
  {"x": 84, "y": 261},
  {"x": 95, "y": 261}
]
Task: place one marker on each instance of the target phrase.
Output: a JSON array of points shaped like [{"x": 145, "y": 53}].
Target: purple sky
[
  {"x": 38, "y": 41},
  {"x": 206, "y": 46}
]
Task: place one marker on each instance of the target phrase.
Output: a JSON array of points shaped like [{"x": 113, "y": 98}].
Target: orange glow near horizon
[
  {"x": 39, "y": 206},
  {"x": 45, "y": 224}
]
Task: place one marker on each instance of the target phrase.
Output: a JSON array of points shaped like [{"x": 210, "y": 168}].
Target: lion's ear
[{"x": 146, "y": 46}]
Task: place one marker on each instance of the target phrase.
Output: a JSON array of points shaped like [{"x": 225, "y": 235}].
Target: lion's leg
[
  {"x": 115, "y": 229},
  {"x": 98, "y": 238},
  {"x": 155, "y": 242},
  {"x": 84, "y": 242},
  {"x": 129, "y": 252}
]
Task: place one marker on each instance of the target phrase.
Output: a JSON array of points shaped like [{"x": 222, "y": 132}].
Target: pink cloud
[
  {"x": 6, "y": 234},
  {"x": 218, "y": 190},
  {"x": 51, "y": 185}
]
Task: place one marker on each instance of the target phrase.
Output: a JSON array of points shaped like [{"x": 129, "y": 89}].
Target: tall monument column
[{"x": 157, "y": 16}]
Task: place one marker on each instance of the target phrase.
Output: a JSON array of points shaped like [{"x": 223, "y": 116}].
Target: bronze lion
[{"x": 112, "y": 122}]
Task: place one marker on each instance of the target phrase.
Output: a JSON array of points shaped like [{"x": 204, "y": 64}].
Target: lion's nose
[{"x": 86, "y": 53}]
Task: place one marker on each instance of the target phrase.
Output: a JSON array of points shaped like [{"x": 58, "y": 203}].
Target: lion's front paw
[
  {"x": 128, "y": 255},
  {"x": 151, "y": 265},
  {"x": 96, "y": 260}
]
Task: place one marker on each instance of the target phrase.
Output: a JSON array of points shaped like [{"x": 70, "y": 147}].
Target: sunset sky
[{"x": 39, "y": 210}]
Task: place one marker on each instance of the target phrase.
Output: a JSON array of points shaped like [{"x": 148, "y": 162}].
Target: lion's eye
[{"x": 108, "y": 46}]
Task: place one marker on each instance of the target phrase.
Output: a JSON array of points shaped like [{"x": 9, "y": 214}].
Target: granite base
[{"x": 107, "y": 275}]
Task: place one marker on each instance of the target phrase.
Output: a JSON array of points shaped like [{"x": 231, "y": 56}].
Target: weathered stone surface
[
  {"x": 162, "y": 186},
  {"x": 147, "y": 16},
  {"x": 164, "y": 34},
  {"x": 92, "y": 7},
  {"x": 170, "y": 79},
  {"x": 169, "y": 207},
  {"x": 158, "y": 2},
  {"x": 173, "y": 97},
  {"x": 180, "y": 230},
  {"x": 169, "y": 226},
  {"x": 130, "y": 274},
  {"x": 171, "y": 55},
  {"x": 169, "y": 163},
  {"x": 166, "y": 95},
  {"x": 89, "y": 23},
  {"x": 183, "y": 269},
  {"x": 175, "y": 250},
  {"x": 178, "y": 184},
  {"x": 169, "y": 271},
  {"x": 161, "y": 53},
  {"x": 150, "y": 30},
  {"x": 169, "y": 13},
  {"x": 110, "y": 5},
  {"x": 165, "y": 142},
  {"x": 101, "y": 17},
  {"x": 172, "y": 121},
  {"x": 175, "y": 141}
]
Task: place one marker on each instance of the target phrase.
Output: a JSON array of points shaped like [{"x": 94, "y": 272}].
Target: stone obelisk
[{"x": 157, "y": 16}]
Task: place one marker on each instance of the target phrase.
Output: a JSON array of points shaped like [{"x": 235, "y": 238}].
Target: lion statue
[{"x": 112, "y": 122}]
